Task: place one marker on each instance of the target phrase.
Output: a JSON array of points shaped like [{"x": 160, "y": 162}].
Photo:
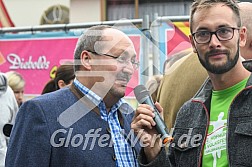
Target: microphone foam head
[{"x": 141, "y": 93}]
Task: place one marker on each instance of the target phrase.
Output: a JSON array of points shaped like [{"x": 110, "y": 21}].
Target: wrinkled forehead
[{"x": 115, "y": 42}]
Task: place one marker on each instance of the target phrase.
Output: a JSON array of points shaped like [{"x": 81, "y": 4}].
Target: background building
[{"x": 30, "y": 12}]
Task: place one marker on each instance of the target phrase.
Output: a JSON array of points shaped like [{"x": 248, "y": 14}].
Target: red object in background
[
  {"x": 176, "y": 41},
  {"x": 5, "y": 20}
]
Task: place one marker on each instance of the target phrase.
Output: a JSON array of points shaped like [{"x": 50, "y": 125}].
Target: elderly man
[
  {"x": 88, "y": 123},
  {"x": 214, "y": 127}
]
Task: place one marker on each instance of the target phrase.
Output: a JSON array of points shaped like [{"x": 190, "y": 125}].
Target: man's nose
[
  {"x": 129, "y": 68},
  {"x": 214, "y": 41}
]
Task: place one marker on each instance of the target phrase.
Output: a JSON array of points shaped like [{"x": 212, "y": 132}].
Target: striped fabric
[{"x": 125, "y": 156}]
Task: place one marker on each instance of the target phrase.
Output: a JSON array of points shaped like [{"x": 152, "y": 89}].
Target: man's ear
[
  {"x": 192, "y": 43},
  {"x": 61, "y": 84},
  {"x": 85, "y": 59},
  {"x": 243, "y": 36}
]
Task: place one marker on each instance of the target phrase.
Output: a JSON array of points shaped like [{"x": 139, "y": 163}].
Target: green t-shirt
[{"x": 215, "y": 147}]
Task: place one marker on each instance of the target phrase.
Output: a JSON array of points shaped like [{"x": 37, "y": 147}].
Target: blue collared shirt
[{"x": 125, "y": 155}]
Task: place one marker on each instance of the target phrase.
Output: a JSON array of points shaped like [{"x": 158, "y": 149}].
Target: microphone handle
[
  {"x": 161, "y": 128},
  {"x": 160, "y": 125}
]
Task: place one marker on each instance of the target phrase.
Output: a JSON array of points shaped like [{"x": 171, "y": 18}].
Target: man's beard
[
  {"x": 220, "y": 69},
  {"x": 117, "y": 92}
]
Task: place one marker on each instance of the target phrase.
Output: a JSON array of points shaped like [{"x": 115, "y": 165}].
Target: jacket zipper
[{"x": 204, "y": 141}]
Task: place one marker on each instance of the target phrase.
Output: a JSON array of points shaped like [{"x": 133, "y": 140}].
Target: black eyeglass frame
[
  {"x": 135, "y": 64},
  {"x": 215, "y": 33}
]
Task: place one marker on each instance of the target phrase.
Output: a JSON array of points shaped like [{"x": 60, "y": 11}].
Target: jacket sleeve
[
  {"x": 162, "y": 160},
  {"x": 30, "y": 138}
]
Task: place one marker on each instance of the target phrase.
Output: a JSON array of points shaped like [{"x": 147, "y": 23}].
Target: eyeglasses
[
  {"x": 121, "y": 59},
  {"x": 223, "y": 34}
]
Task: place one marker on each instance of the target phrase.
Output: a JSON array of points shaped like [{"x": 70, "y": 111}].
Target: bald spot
[
  {"x": 246, "y": 15},
  {"x": 116, "y": 42}
]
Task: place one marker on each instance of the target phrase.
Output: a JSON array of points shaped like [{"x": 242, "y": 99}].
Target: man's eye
[
  {"x": 223, "y": 31},
  {"x": 121, "y": 59},
  {"x": 133, "y": 61},
  {"x": 203, "y": 33}
]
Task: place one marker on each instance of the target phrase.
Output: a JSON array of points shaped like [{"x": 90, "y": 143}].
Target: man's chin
[
  {"x": 121, "y": 90},
  {"x": 216, "y": 68},
  {"x": 121, "y": 83},
  {"x": 218, "y": 64},
  {"x": 118, "y": 90}
]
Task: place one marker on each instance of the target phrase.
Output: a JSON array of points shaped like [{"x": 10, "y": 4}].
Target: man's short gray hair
[{"x": 87, "y": 42}]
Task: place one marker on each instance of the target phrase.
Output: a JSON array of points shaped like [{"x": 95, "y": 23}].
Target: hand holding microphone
[{"x": 143, "y": 97}]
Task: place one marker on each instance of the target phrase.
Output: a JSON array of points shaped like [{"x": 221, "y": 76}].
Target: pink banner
[{"x": 34, "y": 59}]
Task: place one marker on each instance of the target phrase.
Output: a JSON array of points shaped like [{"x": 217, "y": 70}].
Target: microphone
[
  {"x": 7, "y": 129},
  {"x": 143, "y": 97}
]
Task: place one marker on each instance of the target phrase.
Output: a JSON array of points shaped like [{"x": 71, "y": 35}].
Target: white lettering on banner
[{"x": 20, "y": 63}]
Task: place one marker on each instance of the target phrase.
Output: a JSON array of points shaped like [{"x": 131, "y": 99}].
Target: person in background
[
  {"x": 152, "y": 85},
  {"x": 64, "y": 76},
  {"x": 17, "y": 84},
  {"x": 180, "y": 83},
  {"x": 174, "y": 58},
  {"x": 246, "y": 17},
  {"x": 8, "y": 110},
  {"x": 214, "y": 127},
  {"x": 88, "y": 123}
]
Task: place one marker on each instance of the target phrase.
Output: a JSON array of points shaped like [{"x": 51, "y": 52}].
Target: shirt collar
[
  {"x": 97, "y": 100},
  {"x": 88, "y": 93}
]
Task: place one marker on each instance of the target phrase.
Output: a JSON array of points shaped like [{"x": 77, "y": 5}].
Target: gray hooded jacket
[{"x": 8, "y": 110}]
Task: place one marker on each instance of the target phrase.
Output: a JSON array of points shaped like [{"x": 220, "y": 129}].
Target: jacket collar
[
  {"x": 205, "y": 90},
  {"x": 249, "y": 83}
]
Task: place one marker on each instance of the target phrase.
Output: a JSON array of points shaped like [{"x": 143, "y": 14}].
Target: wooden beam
[
  {"x": 136, "y": 9},
  {"x": 103, "y": 10}
]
